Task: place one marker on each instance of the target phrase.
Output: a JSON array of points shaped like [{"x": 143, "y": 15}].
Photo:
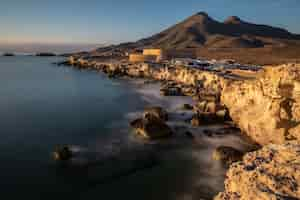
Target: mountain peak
[
  {"x": 233, "y": 20},
  {"x": 200, "y": 30},
  {"x": 204, "y": 14},
  {"x": 200, "y": 17}
]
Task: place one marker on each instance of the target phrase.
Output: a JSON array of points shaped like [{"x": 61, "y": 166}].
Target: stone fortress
[{"x": 158, "y": 55}]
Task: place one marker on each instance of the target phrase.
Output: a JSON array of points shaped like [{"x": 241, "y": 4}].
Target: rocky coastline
[{"x": 263, "y": 104}]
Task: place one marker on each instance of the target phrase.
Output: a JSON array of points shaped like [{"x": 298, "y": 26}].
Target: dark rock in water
[
  {"x": 62, "y": 153},
  {"x": 45, "y": 54},
  {"x": 195, "y": 121},
  {"x": 111, "y": 75},
  {"x": 152, "y": 128},
  {"x": 63, "y": 63},
  {"x": 227, "y": 155},
  {"x": 156, "y": 112},
  {"x": 8, "y": 54},
  {"x": 223, "y": 115},
  {"x": 95, "y": 168},
  {"x": 205, "y": 119},
  {"x": 208, "y": 132},
  {"x": 189, "y": 135},
  {"x": 187, "y": 107}
]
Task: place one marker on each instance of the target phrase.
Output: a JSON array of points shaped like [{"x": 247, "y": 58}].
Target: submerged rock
[
  {"x": 156, "y": 112},
  {"x": 270, "y": 173},
  {"x": 8, "y": 54},
  {"x": 151, "y": 128},
  {"x": 189, "y": 135},
  {"x": 195, "y": 121},
  {"x": 45, "y": 54},
  {"x": 187, "y": 107},
  {"x": 62, "y": 153},
  {"x": 227, "y": 155}
]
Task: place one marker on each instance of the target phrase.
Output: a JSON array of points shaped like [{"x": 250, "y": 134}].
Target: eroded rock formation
[
  {"x": 267, "y": 108},
  {"x": 151, "y": 128},
  {"x": 227, "y": 155},
  {"x": 268, "y": 174}
]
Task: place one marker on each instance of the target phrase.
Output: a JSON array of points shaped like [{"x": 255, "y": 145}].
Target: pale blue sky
[{"x": 114, "y": 21}]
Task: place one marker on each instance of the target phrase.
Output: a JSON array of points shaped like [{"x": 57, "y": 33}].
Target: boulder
[
  {"x": 227, "y": 155},
  {"x": 267, "y": 108},
  {"x": 187, "y": 107},
  {"x": 201, "y": 106},
  {"x": 223, "y": 115},
  {"x": 189, "y": 135},
  {"x": 195, "y": 121},
  {"x": 270, "y": 173},
  {"x": 152, "y": 128},
  {"x": 62, "y": 153},
  {"x": 211, "y": 107},
  {"x": 156, "y": 112},
  {"x": 8, "y": 54}
]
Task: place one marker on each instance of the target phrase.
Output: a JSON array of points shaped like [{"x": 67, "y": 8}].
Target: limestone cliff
[
  {"x": 267, "y": 108},
  {"x": 268, "y": 174}
]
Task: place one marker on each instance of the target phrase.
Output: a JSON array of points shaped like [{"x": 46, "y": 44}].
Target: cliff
[{"x": 267, "y": 108}]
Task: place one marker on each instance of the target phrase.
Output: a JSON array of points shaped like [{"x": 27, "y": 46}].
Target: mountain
[{"x": 202, "y": 31}]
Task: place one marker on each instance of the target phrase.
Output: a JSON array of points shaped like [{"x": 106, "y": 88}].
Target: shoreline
[
  {"x": 202, "y": 135},
  {"x": 260, "y": 103}
]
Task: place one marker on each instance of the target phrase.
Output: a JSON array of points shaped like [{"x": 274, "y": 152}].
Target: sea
[{"x": 43, "y": 106}]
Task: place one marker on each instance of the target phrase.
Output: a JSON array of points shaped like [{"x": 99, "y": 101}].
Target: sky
[{"x": 115, "y": 21}]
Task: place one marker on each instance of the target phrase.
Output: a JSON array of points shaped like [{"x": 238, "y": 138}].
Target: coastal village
[{"x": 262, "y": 103}]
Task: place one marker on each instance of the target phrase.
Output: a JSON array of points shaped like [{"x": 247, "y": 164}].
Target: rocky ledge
[
  {"x": 152, "y": 125},
  {"x": 270, "y": 173},
  {"x": 267, "y": 108}
]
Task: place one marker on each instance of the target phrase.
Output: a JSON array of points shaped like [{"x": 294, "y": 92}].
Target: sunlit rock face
[
  {"x": 267, "y": 109},
  {"x": 268, "y": 174}
]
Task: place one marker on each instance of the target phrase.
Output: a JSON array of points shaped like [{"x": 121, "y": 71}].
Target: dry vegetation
[{"x": 256, "y": 56}]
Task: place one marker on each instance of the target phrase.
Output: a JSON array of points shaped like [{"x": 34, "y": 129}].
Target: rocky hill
[{"x": 200, "y": 30}]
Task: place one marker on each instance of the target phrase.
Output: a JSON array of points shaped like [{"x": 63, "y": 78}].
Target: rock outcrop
[
  {"x": 268, "y": 174},
  {"x": 156, "y": 112},
  {"x": 227, "y": 155},
  {"x": 62, "y": 153},
  {"x": 267, "y": 108},
  {"x": 151, "y": 128}
]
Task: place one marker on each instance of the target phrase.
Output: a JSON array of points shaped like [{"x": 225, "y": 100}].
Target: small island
[
  {"x": 45, "y": 54},
  {"x": 8, "y": 54}
]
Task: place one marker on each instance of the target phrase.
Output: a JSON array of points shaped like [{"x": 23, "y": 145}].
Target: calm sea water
[{"x": 42, "y": 105}]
